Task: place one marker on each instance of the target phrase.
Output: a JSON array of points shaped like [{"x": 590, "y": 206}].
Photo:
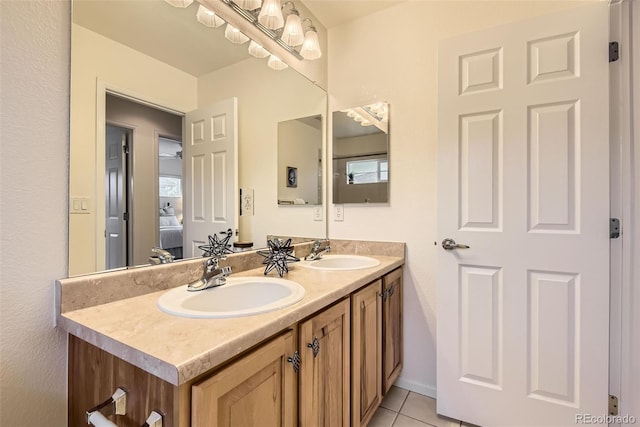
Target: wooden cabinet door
[
  {"x": 258, "y": 389},
  {"x": 366, "y": 357},
  {"x": 94, "y": 375},
  {"x": 392, "y": 328},
  {"x": 324, "y": 374}
]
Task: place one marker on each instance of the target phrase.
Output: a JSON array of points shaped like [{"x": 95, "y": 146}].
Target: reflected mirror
[
  {"x": 361, "y": 154},
  {"x": 152, "y": 55},
  {"x": 300, "y": 161}
]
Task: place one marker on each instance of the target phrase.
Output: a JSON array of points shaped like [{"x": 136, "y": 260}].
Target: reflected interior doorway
[
  {"x": 170, "y": 195},
  {"x": 132, "y": 195}
]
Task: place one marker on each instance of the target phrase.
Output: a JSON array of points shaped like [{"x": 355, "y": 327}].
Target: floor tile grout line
[
  {"x": 403, "y": 402},
  {"x": 399, "y": 412},
  {"x": 416, "y": 419}
]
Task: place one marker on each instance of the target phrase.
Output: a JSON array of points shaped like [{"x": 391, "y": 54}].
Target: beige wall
[
  {"x": 34, "y": 138},
  {"x": 100, "y": 61},
  {"x": 400, "y": 67},
  {"x": 265, "y": 97}
]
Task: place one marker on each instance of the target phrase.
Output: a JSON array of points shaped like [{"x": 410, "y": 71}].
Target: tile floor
[{"x": 403, "y": 408}]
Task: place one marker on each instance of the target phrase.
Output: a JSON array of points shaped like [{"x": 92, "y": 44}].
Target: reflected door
[
  {"x": 524, "y": 180},
  {"x": 116, "y": 143},
  {"x": 211, "y": 174}
]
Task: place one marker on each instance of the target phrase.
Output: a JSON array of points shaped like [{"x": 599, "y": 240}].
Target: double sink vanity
[{"x": 320, "y": 346}]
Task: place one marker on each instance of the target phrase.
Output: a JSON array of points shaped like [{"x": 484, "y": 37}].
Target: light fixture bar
[{"x": 270, "y": 33}]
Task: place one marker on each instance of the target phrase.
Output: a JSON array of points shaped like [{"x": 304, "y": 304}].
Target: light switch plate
[
  {"x": 79, "y": 205},
  {"x": 338, "y": 212},
  {"x": 317, "y": 213}
]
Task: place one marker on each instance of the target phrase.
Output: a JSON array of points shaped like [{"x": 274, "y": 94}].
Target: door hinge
[
  {"x": 613, "y": 405},
  {"x": 614, "y": 51},
  {"x": 125, "y": 216},
  {"x": 614, "y": 228},
  {"x": 125, "y": 148},
  {"x": 295, "y": 361}
]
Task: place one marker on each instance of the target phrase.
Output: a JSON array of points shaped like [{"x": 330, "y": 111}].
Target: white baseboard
[{"x": 416, "y": 387}]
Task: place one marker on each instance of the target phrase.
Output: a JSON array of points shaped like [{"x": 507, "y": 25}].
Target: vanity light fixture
[
  {"x": 310, "y": 47},
  {"x": 267, "y": 17},
  {"x": 249, "y": 4},
  {"x": 370, "y": 115},
  {"x": 208, "y": 17},
  {"x": 292, "y": 34},
  {"x": 276, "y": 63},
  {"x": 271, "y": 14},
  {"x": 257, "y": 50},
  {"x": 179, "y": 3},
  {"x": 234, "y": 35}
]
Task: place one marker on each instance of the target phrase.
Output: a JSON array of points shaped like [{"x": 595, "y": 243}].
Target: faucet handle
[
  {"x": 163, "y": 256},
  {"x": 211, "y": 263}
]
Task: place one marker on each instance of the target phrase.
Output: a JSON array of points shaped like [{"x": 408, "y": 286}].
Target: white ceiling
[{"x": 172, "y": 35}]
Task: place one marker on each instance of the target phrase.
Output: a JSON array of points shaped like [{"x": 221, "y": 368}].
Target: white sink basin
[
  {"x": 341, "y": 262},
  {"x": 240, "y": 296}
]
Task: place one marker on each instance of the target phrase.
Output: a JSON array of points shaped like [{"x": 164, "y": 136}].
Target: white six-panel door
[
  {"x": 523, "y": 181},
  {"x": 211, "y": 202}
]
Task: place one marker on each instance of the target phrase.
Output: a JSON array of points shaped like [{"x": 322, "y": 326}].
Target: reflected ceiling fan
[{"x": 169, "y": 149}]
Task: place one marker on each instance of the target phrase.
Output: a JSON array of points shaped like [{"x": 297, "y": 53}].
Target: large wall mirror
[
  {"x": 140, "y": 70},
  {"x": 361, "y": 154}
]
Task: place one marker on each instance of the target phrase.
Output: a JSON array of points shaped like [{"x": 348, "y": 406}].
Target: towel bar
[
  {"x": 153, "y": 420},
  {"x": 114, "y": 405}
]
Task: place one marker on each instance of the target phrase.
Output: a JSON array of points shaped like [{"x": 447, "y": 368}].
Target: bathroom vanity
[{"x": 326, "y": 360}]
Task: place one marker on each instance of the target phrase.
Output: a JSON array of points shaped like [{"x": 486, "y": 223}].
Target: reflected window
[
  {"x": 367, "y": 171},
  {"x": 170, "y": 186}
]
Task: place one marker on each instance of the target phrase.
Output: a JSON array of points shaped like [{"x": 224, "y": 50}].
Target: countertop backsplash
[{"x": 79, "y": 292}]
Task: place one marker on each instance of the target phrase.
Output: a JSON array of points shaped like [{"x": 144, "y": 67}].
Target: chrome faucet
[
  {"x": 162, "y": 256},
  {"x": 212, "y": 276},
  {"x": 316, "y": 253}
]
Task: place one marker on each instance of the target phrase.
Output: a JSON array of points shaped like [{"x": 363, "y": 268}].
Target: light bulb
[
  {"x": 179, "y": 3},
  {"x": 271, "y": 15},
  {"x": 234, "y": 35},
  {"x": 293, "y": 34},
  {"x": 276, "y": 63},
  {"x": 258, "y": 51},
  {"x": 208, "y": 17},
  {"x": 249, "y": 4},
  {"x": 310, "y": 47}
]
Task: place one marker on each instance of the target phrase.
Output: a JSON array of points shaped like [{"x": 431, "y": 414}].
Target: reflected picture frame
[{"x": 292, "y": 177}]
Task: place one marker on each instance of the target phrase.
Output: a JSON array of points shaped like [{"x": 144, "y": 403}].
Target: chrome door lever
[{"x": 450, "y": 244}]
